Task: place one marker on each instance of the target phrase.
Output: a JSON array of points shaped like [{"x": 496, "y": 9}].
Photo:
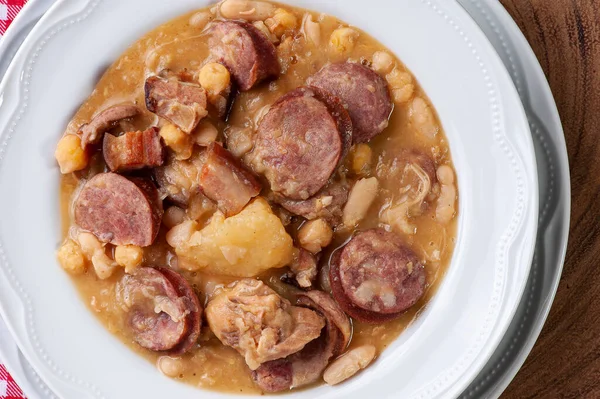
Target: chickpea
[
  {"x": 315, "y": 235},
  {"x": 205, "y": 133},
  {"x": 383, "y": 62},
  {"x": 362, "y": 157},
  {"x": 401, "y": 85},
  {"x": 181, "y": 143},
  {"x": 129, "y": 256},
  {"x": 214, "y": 78},
  {"x": 281, "y": 21},
  {"x": 71, "y": 258},
  {"x": 70, "y": 155},
  {"x": 343, "y": 40}
]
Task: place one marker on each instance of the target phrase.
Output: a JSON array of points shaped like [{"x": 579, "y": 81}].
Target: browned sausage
[
  {"x": 118, "y": 210},
  {"x": 376, "y": 277},
  {"x": 245, "y": 51},
  {"x": 181, "y": 103},
  {"x": 224, "y": 180},
  {"x": 133, "y": 150},
  {"x": 327, "y": 204},
  {"x": 91, "y": 133},
  {"x": 155, "y": 312},
  {"x": 306, "y": 367},
  {"x": 192, "y": 305},
  {"x": 300, "y": 142},
  {"x": 363, "y": 91}
]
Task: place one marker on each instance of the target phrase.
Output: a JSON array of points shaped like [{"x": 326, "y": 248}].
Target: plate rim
[{"x": 500, "y": 67}]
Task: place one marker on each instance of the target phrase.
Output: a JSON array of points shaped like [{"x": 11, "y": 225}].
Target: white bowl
[{"x": 439, "y": 354}]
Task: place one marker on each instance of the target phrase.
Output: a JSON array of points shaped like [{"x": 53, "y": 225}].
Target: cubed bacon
[
  {"x": 224, "y": 180},
  {"x": 181, "y": 103},
  {"x": 133, "y": 150}
]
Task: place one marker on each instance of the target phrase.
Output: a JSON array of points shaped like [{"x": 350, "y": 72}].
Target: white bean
[
  {"x": 200, "y": 19},
  {"x": 422, "y": 119},
  {"x": 311, "y": 30},
  {"x": 349, "y": 364},
  {"x": 444, "y": 212},
  {"x": 103, "y": 265},
  {"x": 360, "y": 200},
  {"x": 171, "y": 366},
  {"x": 247, "y": 9}
]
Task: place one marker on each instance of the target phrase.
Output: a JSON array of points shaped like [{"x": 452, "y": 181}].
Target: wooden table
[{"x": 565, "y": 35}]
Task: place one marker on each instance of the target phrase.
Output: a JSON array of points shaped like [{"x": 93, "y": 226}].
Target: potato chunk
[{"x": 243, "y": 245}]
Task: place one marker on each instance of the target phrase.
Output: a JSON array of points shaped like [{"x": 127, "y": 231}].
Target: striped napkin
[{"x": 8, "y": 11}]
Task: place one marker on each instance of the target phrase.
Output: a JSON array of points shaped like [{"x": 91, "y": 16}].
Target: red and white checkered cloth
[
  {"x": 8, "y": 387},
  {"x": 8, "y": 11}
]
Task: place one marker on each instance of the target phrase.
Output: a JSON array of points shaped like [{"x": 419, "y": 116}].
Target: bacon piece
[
  {"x": 133, "y": 150},
  {"x": 224, "y": 180}
]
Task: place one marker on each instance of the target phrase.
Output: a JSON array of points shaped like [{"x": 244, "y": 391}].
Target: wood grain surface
[{"x": 565, "y": 35}]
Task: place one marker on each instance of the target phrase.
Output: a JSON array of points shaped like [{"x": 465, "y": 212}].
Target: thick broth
[{"x": 180, "y": 44}]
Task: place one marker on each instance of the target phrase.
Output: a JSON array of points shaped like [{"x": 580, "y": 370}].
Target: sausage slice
[
  {"x": 91, "y": 133},
  {"x": 376, "y": 277},
  {"x": 245, "y": 51},
  {"x": 181, "y": 103},
  {"x": 224, "y": 180},
  {"x": 133, "y": 150},
  {"x": 162, "y": 309},
  {"x": 363, "y": 91},
  {"x": 118, "y": 210},
  {"x": 192, "y": 305},
  {"x": 300, "y": 142}
]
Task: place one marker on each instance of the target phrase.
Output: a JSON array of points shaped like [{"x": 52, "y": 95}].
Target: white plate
[
  {"x": 555, "y": 198},
  {"x": 438, "y": 356}
]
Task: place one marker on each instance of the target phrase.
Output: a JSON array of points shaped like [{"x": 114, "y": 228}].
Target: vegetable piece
[{"x": 243, "y": 245}]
